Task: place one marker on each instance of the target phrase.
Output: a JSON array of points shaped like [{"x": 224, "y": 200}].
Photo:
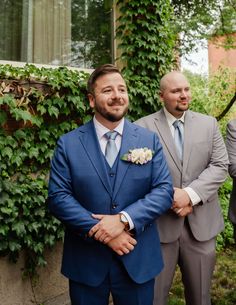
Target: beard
[
  {"x": 182, "y": 108},
  {"x": 111, "y": 116}
]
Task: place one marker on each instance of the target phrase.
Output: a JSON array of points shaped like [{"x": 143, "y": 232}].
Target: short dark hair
[{"x": 99, "y": 71}]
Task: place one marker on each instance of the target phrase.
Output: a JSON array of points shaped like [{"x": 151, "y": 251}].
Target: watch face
[{"x": 123, "y": 218}]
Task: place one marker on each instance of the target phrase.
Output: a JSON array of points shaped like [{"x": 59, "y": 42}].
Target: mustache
[{"x": 116, "y": 102}]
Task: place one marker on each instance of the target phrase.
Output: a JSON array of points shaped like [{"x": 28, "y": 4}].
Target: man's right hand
[{"x": 122, "y": 244}]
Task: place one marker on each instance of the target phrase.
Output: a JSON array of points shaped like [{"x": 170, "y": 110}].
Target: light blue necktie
[
  {"x": 178, "y": 137},
  {"x": 111, "y": 149}
]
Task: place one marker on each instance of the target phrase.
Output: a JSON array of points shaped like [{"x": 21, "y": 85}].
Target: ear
[
  {"x": 91, "y": 100},
  {"x": 161, "y": 96}
]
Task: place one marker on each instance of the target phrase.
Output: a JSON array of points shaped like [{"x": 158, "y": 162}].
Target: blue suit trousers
[{"x": 117, "y": 282}]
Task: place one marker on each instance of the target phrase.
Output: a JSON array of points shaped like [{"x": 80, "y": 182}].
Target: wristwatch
[{"x": 124, "y": 220}]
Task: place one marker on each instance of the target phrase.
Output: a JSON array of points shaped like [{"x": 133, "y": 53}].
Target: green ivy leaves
[
  {"x": 36, "y": 107},
  {"x": 147, "y": 45}
]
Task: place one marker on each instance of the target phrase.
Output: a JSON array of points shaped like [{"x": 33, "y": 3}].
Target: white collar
[
  {"x": 171, "y": 119},
  {"x": 101, "y": 130}
]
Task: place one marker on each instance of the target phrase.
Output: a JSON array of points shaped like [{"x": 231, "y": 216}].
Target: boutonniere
[{"x": 138, "y": 155}]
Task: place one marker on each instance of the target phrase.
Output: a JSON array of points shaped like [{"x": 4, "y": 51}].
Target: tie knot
[
  {"x": 177, "y": 123},
  {"x": 111, "y": 135}
]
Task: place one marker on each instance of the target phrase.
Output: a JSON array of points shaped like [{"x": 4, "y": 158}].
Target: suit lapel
[
  {"x": 130, "y": 140},
  {"x": 188, "y": 137},
  {"x": 166, "y": 137},
  {"x": 88, "y": 139}
]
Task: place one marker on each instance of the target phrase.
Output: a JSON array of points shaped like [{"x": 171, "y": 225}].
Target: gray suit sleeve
[
  {"x": 231, "y": 147},
  {"x": 215, "y": 173}
]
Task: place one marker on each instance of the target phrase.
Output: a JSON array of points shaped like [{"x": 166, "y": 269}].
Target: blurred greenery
[{"x": 210, "y": 95}]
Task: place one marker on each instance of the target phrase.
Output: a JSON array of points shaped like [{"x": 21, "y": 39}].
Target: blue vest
[{"x": 112, "y": 171}]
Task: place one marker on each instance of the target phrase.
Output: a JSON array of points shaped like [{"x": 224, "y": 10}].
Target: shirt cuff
[
  {"x": 131, "y": 224},
  {"x": 195, "y": 199}
]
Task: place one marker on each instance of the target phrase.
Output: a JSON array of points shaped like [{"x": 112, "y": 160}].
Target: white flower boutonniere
[{"x": 138, "y": 155}]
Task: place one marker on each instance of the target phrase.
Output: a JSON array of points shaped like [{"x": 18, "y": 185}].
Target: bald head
[
  {"x": 175, "y": 93},
  {"x": 172, "y": 77}
]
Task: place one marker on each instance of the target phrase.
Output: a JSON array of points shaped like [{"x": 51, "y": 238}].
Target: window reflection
[{"x": 57, "y": 32}]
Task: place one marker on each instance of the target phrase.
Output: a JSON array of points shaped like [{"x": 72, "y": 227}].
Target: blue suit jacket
[{"x": 79, "y": 185}]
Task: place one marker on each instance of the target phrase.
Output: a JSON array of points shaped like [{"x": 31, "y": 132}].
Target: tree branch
[{"x": 223, "y": 113}]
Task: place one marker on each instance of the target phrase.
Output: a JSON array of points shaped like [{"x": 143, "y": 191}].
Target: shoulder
[
  {"x": 232, "y": 124},
  {"x": 202, "y": 120},
  {"x": 141, "y": 131},
  {"x": 231, "y": 130},
  {"x": 149, "y": 117},
  {"x": 201, "y": 116},
  {"x": 77, "y": 131}
]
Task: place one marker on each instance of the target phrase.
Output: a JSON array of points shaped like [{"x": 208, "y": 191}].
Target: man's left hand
[
  {"x": 123, "y": 244},
  {"x": 181, "y": 199}
]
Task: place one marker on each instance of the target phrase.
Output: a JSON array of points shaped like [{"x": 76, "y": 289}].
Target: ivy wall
[{"x": 36, "y": 107}]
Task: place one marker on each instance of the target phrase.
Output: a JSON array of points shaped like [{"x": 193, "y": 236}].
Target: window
[{"x": 57, "y": 32}]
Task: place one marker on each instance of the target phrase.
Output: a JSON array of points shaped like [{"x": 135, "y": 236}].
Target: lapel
[
  {"x": 188, "y": 137},
  {"x": 89, "y": 140},
  {"x": 166, "y": 137},
  {"x": 130, "y": 139}
]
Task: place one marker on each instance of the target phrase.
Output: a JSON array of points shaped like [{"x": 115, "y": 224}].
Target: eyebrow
[
  {"x": 120, "y": 85},
  {"x": 180, "y": 88}
]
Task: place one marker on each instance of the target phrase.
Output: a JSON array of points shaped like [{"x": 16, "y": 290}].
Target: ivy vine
[
  {"x": 147, "y": 44},
  {"x": 36, "y": 107}
]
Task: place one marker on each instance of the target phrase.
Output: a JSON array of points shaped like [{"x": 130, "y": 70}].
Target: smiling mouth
[{"x": 116, "y": 105}]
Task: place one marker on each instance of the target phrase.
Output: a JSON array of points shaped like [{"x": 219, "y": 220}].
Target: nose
[
  {"x": 183, "y": 93},
  {"x": 115, "y": 94}
]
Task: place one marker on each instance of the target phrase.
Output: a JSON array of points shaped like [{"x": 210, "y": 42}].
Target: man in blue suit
[{"x": 109, "y": 206}]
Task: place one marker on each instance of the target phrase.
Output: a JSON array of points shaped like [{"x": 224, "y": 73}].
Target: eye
[
  {"x": 123, "y": 90},
  {"x": 175, "y": 91},
  {"x": 107, "y": 90}
]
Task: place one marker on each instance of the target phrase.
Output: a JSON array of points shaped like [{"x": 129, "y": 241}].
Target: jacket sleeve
[
  {"x": 61, "y": 202},
  {"x": 231, "y": 147},
  {"x": 210, "y": 179}
]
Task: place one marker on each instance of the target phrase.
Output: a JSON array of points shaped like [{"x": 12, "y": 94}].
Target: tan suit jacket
[
  {"x": 204, "y": 169},
  {"x": 231, "y": 147}
]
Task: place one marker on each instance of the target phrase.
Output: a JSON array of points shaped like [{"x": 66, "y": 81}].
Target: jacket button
[{"x": 114, "y": 206}]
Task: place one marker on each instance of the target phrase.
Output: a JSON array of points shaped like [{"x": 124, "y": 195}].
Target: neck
[{"x": 106, "y": 123}]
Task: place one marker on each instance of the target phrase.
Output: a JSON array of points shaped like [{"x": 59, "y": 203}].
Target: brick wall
[{"x": 219, "y": 56}]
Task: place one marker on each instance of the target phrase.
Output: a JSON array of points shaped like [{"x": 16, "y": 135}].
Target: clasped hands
[
  {"x": 110, "y": 231},
  {"x": 181, "y": 203}
]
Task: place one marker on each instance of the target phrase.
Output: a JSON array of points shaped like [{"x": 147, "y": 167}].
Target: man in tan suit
[
  {"x": 231, "y": 147},
  {"x": 198, "y": 164}
]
